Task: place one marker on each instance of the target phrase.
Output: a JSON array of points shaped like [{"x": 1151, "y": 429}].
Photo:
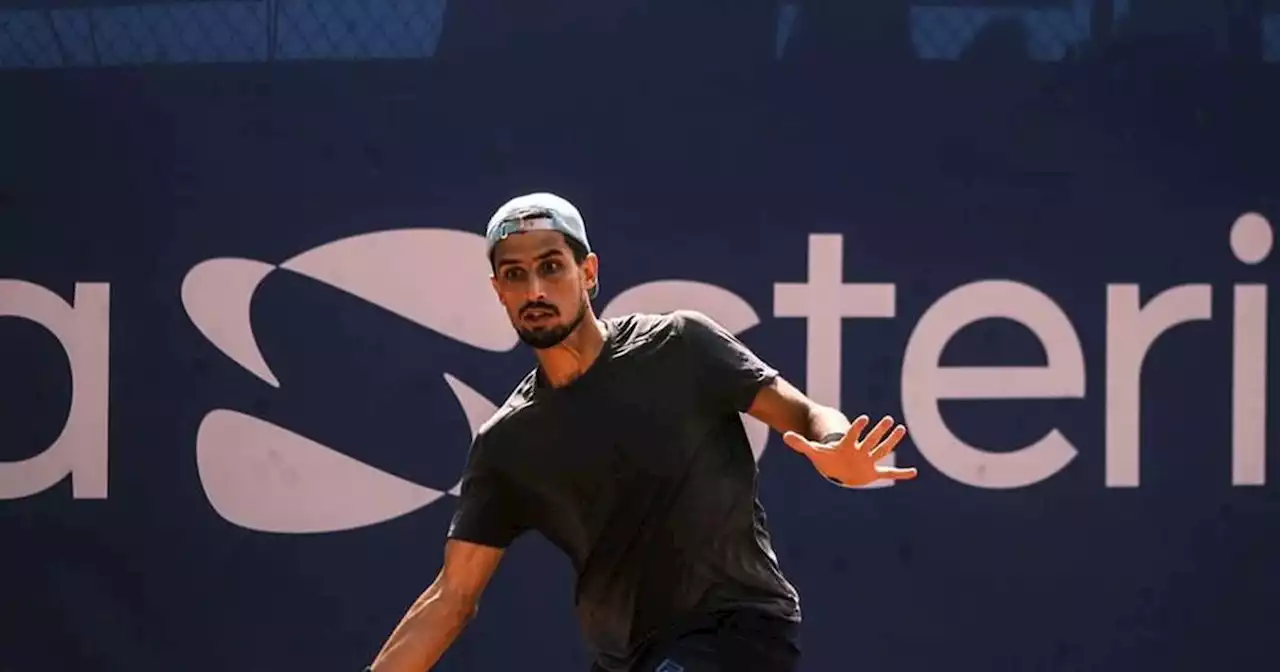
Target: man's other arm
[{"x": 443, "y": 610}]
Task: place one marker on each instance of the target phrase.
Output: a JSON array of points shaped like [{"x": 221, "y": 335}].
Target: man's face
[{"x": 541, "y": 286}]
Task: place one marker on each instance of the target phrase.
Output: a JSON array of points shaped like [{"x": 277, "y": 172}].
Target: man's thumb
[{"x": 797, "y": 442}]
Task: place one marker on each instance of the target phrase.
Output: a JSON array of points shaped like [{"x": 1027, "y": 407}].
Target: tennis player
[{"x": 624, "y": 447}]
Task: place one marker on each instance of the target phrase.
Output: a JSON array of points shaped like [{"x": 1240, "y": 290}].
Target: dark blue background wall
[{"x": 705, "y": 142}]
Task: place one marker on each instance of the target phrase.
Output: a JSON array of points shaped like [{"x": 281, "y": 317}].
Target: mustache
[{"x": 545, "y": 307}]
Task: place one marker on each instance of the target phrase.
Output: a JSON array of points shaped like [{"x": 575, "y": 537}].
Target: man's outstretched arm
[
  {"x": 786, "y": 409},
  {"x": 439, "y": 615},
  {"x": 839, "y": 449}
]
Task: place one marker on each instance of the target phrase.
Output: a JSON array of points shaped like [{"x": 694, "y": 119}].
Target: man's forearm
[{"x": 426, "y": 631}]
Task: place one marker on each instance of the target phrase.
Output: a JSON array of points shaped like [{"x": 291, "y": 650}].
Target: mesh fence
[
  {"x": 943, "y": 32},
  {"x": 230, "y": 31},
  {"x": 223, "y": 31}
]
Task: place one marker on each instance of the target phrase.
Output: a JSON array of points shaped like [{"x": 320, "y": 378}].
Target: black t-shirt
[{"x": 640, "y": 471}]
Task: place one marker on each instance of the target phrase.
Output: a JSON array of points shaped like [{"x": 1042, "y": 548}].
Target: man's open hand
[{"x": 851, "y": 461}]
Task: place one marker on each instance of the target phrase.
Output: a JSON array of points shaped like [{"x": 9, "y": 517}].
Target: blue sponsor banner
[{"x": 246, "y": 333}]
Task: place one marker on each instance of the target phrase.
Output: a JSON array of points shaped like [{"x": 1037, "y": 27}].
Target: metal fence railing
[
  {"x": 221, "y": 31},
  {"x": 105, "y": 33}
]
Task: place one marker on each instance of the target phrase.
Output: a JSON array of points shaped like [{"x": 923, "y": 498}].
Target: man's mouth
[{"x": 538, "y": 315}]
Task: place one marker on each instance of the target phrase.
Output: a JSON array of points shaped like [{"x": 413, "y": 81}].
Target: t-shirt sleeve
[
  {"x": 488, "y": 512},
  {"x": 723, "y": 366}
]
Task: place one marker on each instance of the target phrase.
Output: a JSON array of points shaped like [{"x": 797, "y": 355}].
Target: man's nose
[{"x": 535, "y": 290}]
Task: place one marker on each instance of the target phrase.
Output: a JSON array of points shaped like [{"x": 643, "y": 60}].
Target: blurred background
[{"x": 246, "y": 328}]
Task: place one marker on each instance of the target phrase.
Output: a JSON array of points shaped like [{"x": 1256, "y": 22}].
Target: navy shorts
[{"x": 730, "y": 642}]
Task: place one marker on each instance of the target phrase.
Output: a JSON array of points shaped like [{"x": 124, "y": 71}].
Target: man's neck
[{"x": 570, "y": 359}]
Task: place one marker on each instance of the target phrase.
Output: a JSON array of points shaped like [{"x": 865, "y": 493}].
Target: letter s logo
[
  {"x": 263, "y": 477},
  {"x": 267, "y": 478}
]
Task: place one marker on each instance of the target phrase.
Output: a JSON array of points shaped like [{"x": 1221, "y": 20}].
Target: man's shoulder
[{"x": 658, "y": 327}]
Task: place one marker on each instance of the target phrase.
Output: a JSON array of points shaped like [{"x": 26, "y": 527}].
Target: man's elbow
[{"x": 785, "y": 408}]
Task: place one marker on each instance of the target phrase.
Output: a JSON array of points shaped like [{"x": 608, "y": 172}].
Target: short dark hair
[{"x": 578, "y": 249}]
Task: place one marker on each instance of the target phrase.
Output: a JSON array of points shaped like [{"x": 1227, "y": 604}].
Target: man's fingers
[
  {"x": 851, "y": 438},
  {"x": 873, "y": 437},
  {"x": 890, "y": 442},
  {"x": 897, "y": 473}
]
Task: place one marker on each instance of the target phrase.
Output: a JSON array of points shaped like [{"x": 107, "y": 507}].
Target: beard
[{"x": 549, "y": 337}]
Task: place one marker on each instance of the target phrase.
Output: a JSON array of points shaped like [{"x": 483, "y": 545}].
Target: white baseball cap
[{"x": 541, "y": 211}]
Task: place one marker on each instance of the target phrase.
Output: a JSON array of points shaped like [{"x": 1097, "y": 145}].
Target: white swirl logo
[{"x": 264, "y": 477}]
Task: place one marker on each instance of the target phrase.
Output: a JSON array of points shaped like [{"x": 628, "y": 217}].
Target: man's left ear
[{"x": 590, "y": 270}]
